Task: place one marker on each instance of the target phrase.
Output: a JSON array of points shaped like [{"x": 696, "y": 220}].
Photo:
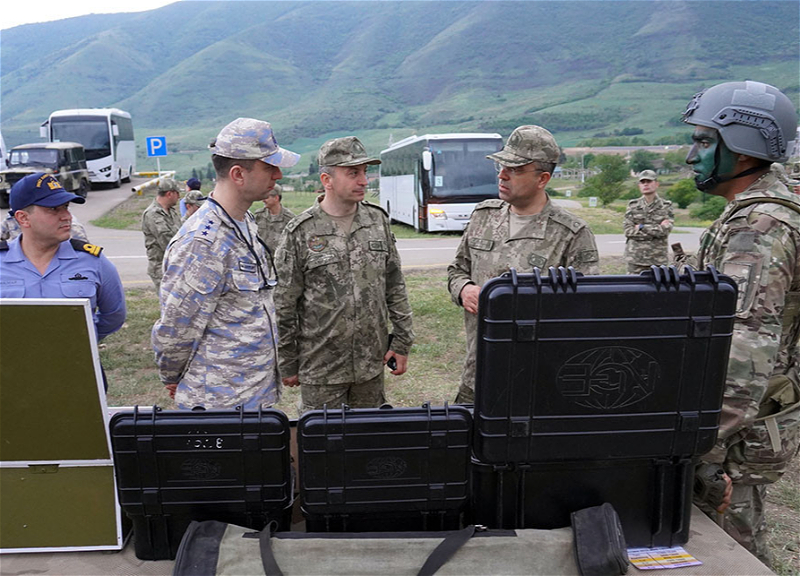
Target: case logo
[
  {"x": 608, "y": 378},
  {"x": 386, "y": 467},
  {"x": 199, "y": 469}
]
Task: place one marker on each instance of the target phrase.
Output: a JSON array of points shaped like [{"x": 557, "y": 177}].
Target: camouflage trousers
[
  {"x": 155, "y": 274},
  {"x": 368, "y": 394},
  {"x": 637, "y": 268},
  {"x": 744, "y": 519},
  {"x": 466, "y": 395}
]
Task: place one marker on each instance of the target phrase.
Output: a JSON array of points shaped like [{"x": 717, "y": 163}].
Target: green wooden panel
[
  {"x": 49, "y": 403},
  {"x": 57, "y": 506}
]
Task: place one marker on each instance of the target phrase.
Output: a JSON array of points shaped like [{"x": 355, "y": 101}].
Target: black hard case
[
  {"x": 573, "y": 367},
  {"x": 364, "y": 470},
  {"x": 173, "y": 467},
  {"x": 652, "y": 497}
]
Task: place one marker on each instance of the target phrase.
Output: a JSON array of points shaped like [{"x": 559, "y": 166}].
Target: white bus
[
  {"x": 433, "y": 182},
  {"x": 106, "y": 135}
]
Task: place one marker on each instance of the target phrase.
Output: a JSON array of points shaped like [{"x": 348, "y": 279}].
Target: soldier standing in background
[
  {"x": 521, "y": 230},
  {"x": 193, "y": 200},
  {"x": 272, "y": 218},
  {"x": 216, "y": 341},
  {"x": 340, "y": 284},
  {"x": 648, "y": 222},
  {"x": 160, "y": 222},
  {"x": 740, "y": 128}
]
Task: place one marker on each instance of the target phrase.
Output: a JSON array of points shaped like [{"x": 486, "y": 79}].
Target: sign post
[{"x": 157, "y": 147}]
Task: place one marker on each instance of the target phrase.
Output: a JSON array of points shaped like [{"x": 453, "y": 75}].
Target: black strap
[
  {"x": 271, "y": 567},
  {"x": 445, "y": 550}
]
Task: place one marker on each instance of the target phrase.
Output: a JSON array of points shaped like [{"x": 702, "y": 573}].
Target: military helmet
[{"x": 752, "y": 118}]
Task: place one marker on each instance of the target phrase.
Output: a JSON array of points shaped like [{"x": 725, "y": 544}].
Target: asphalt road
[{"x": 125, "y": 248}]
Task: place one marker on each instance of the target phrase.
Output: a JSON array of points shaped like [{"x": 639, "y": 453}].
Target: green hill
[{"x": 320, "y": 69}]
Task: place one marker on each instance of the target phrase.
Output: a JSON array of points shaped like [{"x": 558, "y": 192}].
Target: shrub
[{"x": 708, "y": 210}]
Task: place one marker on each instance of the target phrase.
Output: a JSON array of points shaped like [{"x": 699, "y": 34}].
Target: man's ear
[
  {"x": 325, "y": 179},
  {"x": 236, "y": 174},
  {"x": 22, "y": 218}
]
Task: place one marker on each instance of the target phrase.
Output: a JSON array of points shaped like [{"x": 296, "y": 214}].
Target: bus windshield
[
  {"x": 461, "y": 170},
  {"x": 91, "y": 132}
]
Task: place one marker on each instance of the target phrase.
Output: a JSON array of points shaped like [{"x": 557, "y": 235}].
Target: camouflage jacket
[
  {"x": 270, "y": 226},
  {"x": 555, "y": 238},
  {"x": 217, "y": 333},
  {"x": 9, "y": 229},
  {"x": 757, "y": 245},
  {"x": 336, "y": 295},
  {"x": 646, "y": 242},
  {"x": 158, "y": 226}
]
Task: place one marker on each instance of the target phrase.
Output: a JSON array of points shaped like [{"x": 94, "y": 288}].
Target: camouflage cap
[
  {"x": 528, "y": 144},
  {"x": 194, "y": 197},
  {"x": 347, "y": 151},
  {"x": 647, "y": 175},
  {"x": 168, "y": 184},
  {"x": 251, "y": 139}
]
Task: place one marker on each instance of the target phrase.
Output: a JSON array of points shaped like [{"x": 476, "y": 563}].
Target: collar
[{"x": 15, "y": 254}]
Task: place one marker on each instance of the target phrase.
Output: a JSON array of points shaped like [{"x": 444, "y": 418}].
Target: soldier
[
  {"x": 193, "y": 200},
  {"x": 740, "y": 128},
  {"x": 341, "y": 283},
  {"x": 521, "y": 230},
  {"x": 215, "y": 343},
  {"x": 192, "y": 184},
  {"x": 648, "y": 221},
  {"x": 43, "y": 262},
  {"x": 160, "y": 222},
  {"x": 272, "y": 218}
]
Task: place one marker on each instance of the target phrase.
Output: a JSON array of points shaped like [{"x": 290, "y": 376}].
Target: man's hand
[
  {"x": 171, "y": 389},
  {"x": 291, "y": 381},
  {"x": 469, "y": 298},
  {"x": 402, "y": 362},
  {"x": 726, "y": 498}
]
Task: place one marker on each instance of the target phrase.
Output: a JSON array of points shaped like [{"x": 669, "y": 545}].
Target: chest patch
[{"x": 317, "y": 243}]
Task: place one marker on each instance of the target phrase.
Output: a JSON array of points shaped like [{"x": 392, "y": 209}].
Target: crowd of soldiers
[{"x": 253, "y": 302}]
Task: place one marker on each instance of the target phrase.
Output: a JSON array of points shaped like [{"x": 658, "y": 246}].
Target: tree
[
  {"x": 675, "y": 159},
  {"x": 683, "y": 193},
  {"x": 608, "y": 184},
  {"x": 642, "y": 160},
  {"x": 210, "y": 174},
  {"x": 708, "y": 210},
  {"x": 194, "y": 172},
  {"x": 313, "y": 168}
]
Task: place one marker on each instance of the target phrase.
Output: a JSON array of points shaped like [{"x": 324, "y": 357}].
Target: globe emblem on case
[
  {"x": 386, "y": 467},
  {"x": 609, "y": 378},
  {"x": 198, "y": 469}
]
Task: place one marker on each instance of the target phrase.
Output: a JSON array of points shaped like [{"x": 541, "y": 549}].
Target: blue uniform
[{"x": 72, "y": 273}]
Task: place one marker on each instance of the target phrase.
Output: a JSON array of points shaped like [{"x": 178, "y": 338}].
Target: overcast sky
[{"x": 18, "y": 12}]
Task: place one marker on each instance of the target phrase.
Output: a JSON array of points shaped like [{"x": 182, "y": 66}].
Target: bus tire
[
  {"x": 118, "y": 181},
  {"x": 127, "y": 179},
  {"x": 84, "y": 188}
]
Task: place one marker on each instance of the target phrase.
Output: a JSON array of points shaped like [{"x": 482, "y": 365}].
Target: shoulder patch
[
  {"x": 632, "y": 202},
  {"x": 297, "y": 220},
  {"x": 82, "y": 246},
  {"x": 205, "y": 229},
  {"x": 371, "y": 205},
  {"x": 567, "y": 220},
  {"x": 492, "y": 203}
]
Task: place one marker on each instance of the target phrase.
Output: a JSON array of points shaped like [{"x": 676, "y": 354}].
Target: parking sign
[{"x": 156, "y": 145}]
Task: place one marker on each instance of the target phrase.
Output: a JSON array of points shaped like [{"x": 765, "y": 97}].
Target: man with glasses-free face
[{"x": 522, "y": 229}]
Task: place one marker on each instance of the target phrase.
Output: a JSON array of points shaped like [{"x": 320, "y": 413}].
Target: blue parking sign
[{"x": 156, "y": 145}]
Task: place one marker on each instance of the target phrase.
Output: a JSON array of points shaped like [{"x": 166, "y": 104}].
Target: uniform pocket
[
  {"x": 12, "y": 288},
  {"x": 77, "y": 286}
]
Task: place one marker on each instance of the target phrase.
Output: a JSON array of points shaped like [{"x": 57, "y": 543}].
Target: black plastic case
[
  {"x": 173, "y": 467},
  {"x": 384, "y": 469},
  {"x": 574, "y": 367},
  {"x": 653, "y": 498}
]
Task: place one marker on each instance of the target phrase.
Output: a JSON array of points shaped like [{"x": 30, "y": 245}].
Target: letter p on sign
[{"x": 156, "y": 145}]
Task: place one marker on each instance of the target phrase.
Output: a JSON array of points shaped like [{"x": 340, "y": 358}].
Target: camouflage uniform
[
  {"x": 647, "y": 244},
  {"x": 757, "y": 245},
  {"x": 216, "y": 334},
  {"x": 270, "y": 225},
  {"x": 336, "y": 295},
  {"x": 159, "y": 226},
  {"x": 553, "y": 238},
  {"x": 9, "y": 229},
  {"x": 193, "y": 198}
]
